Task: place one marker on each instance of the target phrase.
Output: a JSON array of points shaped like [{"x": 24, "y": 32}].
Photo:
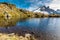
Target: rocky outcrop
[{"x": 12, "y": 36}]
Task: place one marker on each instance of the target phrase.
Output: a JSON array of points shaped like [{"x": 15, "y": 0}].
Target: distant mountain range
[{"x": 49, "y": 10}]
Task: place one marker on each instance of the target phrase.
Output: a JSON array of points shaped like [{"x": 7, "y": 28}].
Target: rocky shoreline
[{"x": 12, "y": 36}]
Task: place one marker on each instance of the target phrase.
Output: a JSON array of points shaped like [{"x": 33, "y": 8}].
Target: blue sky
[
  {"x": 18, "y": 3},
  {"x": 32, "y": 4}
]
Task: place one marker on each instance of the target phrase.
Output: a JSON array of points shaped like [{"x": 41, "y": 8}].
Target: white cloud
[
  {"x": 30, "y": 9},
  {"x": 37, "y": 3},
  {"x": 55, "y": 4}
]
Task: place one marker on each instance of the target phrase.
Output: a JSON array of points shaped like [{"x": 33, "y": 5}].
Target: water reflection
[
  {"x": 8, "y": 22},
  {"x": 49, "y": 28},
  {"x": 42, "y": 28}
]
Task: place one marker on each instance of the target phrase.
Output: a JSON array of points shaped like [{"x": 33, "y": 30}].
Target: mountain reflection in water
[{"x": 42, "y": 28}]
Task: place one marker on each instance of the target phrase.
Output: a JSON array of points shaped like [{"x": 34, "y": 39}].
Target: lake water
[{"x": 42, "y": 28}]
